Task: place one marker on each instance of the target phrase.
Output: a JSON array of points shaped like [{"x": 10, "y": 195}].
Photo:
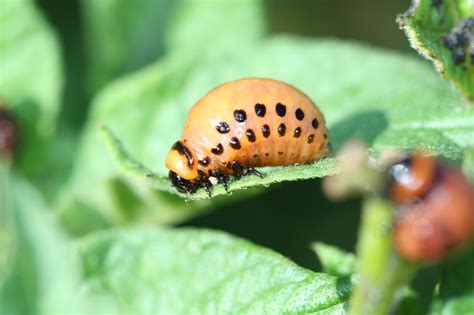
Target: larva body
[
  {"x": 436, "y": 209},
  {"x": 245, "y": 124}
]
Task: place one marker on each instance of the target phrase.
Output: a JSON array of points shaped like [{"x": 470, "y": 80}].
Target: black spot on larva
[
  {"x": 250, "y": 135},
  {"x": 280, "y": 109},
  {"x": 297, "y": 132},
  {"x": 315, "y": 123},
  {"x": 299, "y": 114},
  {"x": 266, "y": 130},
  {"x": 205, "y": 161},
  {"x": 201, "y": 173},
  {"x": 218, "y": 149},
  {"x": 255, "y": 156},
  {"x": 223, "y": 127},
  {"x": 325, "y": 135},
  {"x": 183, "y": 150},
  {"x": 234, "y": 143},
  {"x": 310, "y": 138},
  {"x": 280, "y": 153},
  {"x": 281, "y": 129},
  {"x": 240, "y": 115},
  {"x": 267, "y": 154},
  {"x": 260, "y": 110}
]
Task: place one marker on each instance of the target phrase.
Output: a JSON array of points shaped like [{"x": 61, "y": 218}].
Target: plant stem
[{"x": 382, "y": 273}]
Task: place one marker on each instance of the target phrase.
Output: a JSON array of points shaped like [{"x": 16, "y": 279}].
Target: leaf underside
[
  {"x": 427, "y": 24},
  {"x": 351, "y": 101}
]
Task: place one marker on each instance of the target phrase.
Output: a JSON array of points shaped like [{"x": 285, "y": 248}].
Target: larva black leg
[
  {"x": 207, "y": 187},
  {"x": 254, "y": 171},
  {"x": 223, "y": 179},
  {"x": 241, "y": 170},
  {"x": 219, "y": 178},
  {"x": 238, "y": 168}
]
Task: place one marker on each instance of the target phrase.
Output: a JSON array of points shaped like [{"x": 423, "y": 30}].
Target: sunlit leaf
[
  {"x": 428, "y": 24},
  {"x": 30, "y": 78},
  {"x": 191, "y": 271},
  {"x": 348, "y": 93},
  {"x": 335, "y": 261},
  {"x": 123, "y": 36},
  {"x": 40, "y": 270}
]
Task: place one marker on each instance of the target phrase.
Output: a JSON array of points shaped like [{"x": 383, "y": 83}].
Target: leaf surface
[
  {"x": 363, "y": 92},
  {"x": 191, "y": 271},
  {"x": 427, "y": 24},
  {"x": 30, "y": 79}
]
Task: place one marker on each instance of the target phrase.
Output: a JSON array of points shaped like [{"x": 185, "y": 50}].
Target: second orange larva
[{"x": 245, "y": 124}]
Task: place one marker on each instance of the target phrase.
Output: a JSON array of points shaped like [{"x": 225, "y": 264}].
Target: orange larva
[
  {"x": 436, "y": 209},
  {"x": 245, "y": 124}
]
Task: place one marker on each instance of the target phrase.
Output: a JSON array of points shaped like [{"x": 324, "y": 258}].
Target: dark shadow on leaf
[
  {"x": 365, "y": 126},
  {"x": 287, "y": 217}
]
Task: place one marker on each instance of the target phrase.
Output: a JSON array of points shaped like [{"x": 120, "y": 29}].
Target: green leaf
[
  {"x": 40, "y": 270},
  {"x": 455, "y": 293},
  {"x": 409, "y": 304},
  {"x": 190, "y": 271},
  {"x": 233, "y": 23},
  {"x": 426, "y": 24},
  {"x": 335, "y": 261},
  {"x": 123, "y": 36},
  {"x": 468, "y": 163},
  {"x": 30, "y": 78},
  {"x": 362, "y": 91}
]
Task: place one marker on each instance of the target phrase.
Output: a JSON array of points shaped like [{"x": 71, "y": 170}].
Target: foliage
[
  {"x": 31, "y": 90},
  {"x": 143, "y": 272},
  {"x": 350, "y": 100},
  {"x": 427, "y": 24},
  {"x": 99, "y": 243}
]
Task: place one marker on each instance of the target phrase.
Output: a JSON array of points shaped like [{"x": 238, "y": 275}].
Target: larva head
[
  {"x": 181, "y": 161},
  {"x": 412, "y": 178}
]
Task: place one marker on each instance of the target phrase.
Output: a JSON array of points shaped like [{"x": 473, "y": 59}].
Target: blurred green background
[{"x": 99, "y": 47}]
